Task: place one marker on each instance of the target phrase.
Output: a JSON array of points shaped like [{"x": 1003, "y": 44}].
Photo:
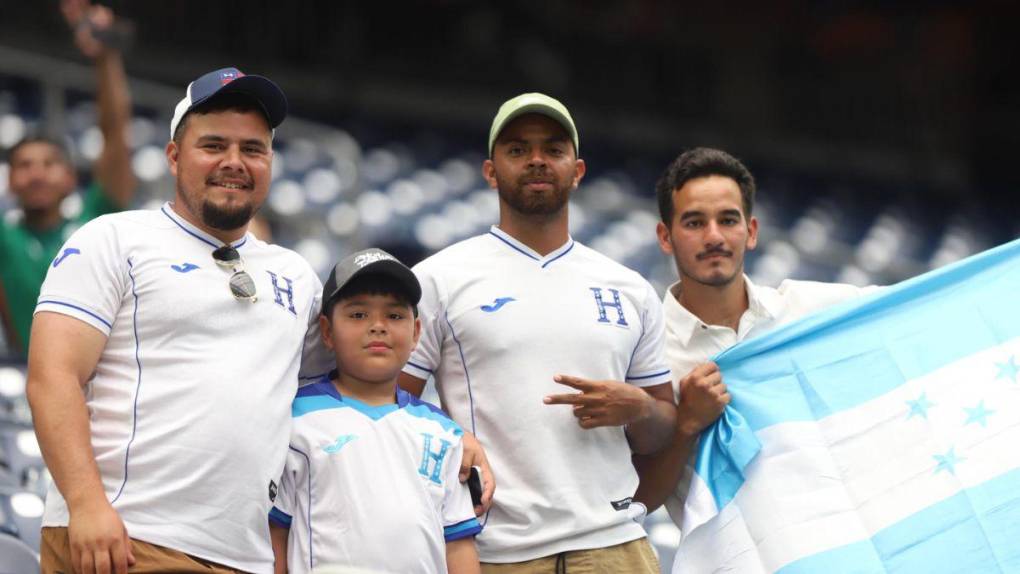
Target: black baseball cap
[{"x": 370, "y": 262}]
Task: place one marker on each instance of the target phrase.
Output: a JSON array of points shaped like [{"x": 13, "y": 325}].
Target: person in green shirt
[{"x": 41, "y": 176}]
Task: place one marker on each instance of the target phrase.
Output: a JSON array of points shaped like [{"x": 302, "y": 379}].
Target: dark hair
[
  {"x": 43, "y": 139},
  {"x": 701, "y": 162},
  {"x": 230, "y": 101},
  {"x": 371, "y": 284}
]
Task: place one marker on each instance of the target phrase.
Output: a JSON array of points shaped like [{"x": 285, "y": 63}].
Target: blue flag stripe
[
  {"x": 975, "y": 531},
  {"x": 851, "y": 354},
  {"x": 844, "y": 357}
]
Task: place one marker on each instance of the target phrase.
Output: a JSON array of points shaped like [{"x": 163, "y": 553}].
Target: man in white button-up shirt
[{"x": 705, "y": 199}]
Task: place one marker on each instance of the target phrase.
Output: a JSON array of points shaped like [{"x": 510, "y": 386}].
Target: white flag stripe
[{"x": 820, "y": 485}]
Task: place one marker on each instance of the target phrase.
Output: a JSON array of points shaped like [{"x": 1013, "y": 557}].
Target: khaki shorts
[
  {"x": 634, "y": 557},
  {"x": 55, "y": 550}
]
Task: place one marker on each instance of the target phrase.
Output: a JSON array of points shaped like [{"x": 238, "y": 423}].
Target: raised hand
[
  {"x": 87, "y": 21},
  {"x": 603, "y": 403}
]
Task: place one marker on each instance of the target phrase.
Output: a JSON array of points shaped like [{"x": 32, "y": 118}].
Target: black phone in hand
[{"x": 474, "y": 483}]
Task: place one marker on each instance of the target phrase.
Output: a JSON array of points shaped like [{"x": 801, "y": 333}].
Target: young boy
[{"x": 371, "y": 476}]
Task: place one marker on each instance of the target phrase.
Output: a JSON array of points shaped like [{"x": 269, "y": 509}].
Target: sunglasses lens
[
  {"x": 242, "y": 286},
  {"x": 226, "y": 255}
]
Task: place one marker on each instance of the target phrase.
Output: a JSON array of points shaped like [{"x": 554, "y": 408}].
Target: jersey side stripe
[
  {"x": 463, "y": 361},
  {"x": 308, "y": 519},
  {"x": 138, "y": 384}
]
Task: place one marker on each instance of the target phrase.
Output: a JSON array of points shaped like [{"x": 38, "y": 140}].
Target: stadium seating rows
[{"x": 332, "y": 194}]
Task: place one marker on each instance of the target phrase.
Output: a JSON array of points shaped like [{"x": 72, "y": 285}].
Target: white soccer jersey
[
  {"x": 371, "y": 487},
  {"x": 690, "y": 342},
  {"x": 189, "y": 402},
  {"x": 499, "y": 321}
]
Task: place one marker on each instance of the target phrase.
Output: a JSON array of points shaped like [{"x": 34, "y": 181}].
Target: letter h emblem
[
  {"x": 428, "y": 457},
  {"x": 602, "y": 305},
  {"x": 280, "y": 292}
]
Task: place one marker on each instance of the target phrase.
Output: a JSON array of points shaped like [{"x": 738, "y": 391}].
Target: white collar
[{"x": 684, "y": 323}]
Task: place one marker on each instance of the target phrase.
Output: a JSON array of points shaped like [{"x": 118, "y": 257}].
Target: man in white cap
[
  {"x": 166, "y": 350},
  {"x": 516, "y": 319}
]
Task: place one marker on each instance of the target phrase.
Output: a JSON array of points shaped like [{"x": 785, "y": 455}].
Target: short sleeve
[
  {"x": 89, "y": 277},
  {"x": 458, "y": 513},
  {"x": 316, "y": 359},
  {"x": 432, "y": 312},
  {"x": 282, "y": 512},
  {"x": 648, "y": 365}
]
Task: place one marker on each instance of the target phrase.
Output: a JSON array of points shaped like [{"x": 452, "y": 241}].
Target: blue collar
[
  {"x": 195, "y": 232},
  {"x": 528, "y": 252}
]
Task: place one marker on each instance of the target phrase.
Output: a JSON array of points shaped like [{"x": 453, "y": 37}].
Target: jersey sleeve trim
[
  {"x": 279, "y": 517},
  {"x": 463, "y": 529},
  {"x": 76, "y": 311},
  {"x": 651, "y": 379},
  {"x": 418, "y": 367}
]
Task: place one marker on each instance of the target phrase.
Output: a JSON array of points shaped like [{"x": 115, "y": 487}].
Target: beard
[
  {"x": 710, "y": 278},
  {"x": 221, "y": 217},
  {"x": 528, "y": 203},
  {"x": 714, "y": 279},
  {"x": 224, "y": 218}
]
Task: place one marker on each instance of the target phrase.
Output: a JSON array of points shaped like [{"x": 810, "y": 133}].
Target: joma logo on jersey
[
  {"x": 432, "y": 460},
  {"x": 67, "y": 253},
  {"x": 603, "y": 306}
]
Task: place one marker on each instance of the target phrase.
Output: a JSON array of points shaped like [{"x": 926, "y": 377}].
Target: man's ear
[
  {"x": 580, "y": 168},
  {"x": 752, "y": 233},
  {"x": 662, "y": 233},
  {"x": 171, "y": 157},
  {"x": 489, "y": 173},
  {"x": 326, "y": 332},
  {"x": 417, "y": 331}
]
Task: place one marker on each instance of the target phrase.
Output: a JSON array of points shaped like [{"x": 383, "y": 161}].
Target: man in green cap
[
  {"x": 41, "y": 175},
  {"x": 551, "y": 354}
]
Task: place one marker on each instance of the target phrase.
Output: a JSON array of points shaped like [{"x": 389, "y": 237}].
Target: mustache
[
  {"x": 537, "y": 176},
  {"x": 714, "y": 251},
  {"x": 219, "y": 179}
]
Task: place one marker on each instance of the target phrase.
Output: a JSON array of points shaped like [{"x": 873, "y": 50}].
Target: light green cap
[{"x": 533, "y": 103}]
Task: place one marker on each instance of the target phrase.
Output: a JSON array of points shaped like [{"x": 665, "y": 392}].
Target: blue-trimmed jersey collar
[
  {"x": 195, "y": 232},
  {"x": 526, "y": 251},
  {"x": 324, "y": 386},
  {"x": 323, "y": 394}
]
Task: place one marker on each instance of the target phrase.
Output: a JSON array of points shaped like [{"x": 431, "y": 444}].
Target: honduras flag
[{"x": 882, "y": 435}]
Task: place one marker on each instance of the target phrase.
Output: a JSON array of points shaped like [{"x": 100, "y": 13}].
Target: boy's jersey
[{"x": 374, "y": 487}]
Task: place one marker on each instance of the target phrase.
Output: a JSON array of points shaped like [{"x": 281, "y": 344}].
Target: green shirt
[{"x": 26, "y": 255}]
